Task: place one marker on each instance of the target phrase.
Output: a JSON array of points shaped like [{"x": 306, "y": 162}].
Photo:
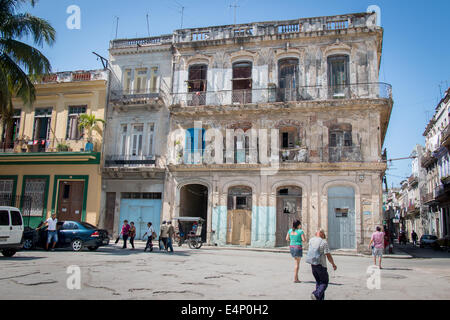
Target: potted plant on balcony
[{"x": 62, "y": 147}]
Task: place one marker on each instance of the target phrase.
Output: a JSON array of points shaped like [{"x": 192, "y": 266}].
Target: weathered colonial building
[
  {"x": 255, "y": 125},
  {"x": 312, "y": 84},
  {"x": 46, "y": 163},
  {"x": 436, "y": 161},
  {"x": 136, "y": 135}
]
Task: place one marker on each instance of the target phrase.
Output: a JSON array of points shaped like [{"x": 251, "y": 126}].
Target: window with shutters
[
  {"x": 140, "y": 81},
  {"x": 137, "y": 139},
  {"x": 73, "y": 131}
]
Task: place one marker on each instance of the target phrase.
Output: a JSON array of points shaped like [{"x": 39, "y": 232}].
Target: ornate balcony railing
[
  {"x": 128, "y": 161},
  {"x": 133, "y": 96},
  {"x": 445, "y": 137},
  {"x": 345, "y": 154},
  {"x": 376, "y": 90},
  {"x": 428, "y": 160}
]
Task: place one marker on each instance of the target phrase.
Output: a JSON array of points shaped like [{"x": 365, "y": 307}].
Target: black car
[{"x": 71, "y": 234}]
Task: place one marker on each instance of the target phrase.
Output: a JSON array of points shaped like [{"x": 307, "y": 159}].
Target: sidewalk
[{"x": 398, "y": 253}]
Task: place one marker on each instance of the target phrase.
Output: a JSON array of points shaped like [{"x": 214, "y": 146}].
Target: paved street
[{"x": 209, "y": 273}]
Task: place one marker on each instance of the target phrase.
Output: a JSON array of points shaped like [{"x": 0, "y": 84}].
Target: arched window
[
  {"x": 242, "y": 82},
  {"x": 288, "y": 79}
]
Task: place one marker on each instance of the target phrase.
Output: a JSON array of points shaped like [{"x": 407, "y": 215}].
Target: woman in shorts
[{"x": 296, "y": 236}]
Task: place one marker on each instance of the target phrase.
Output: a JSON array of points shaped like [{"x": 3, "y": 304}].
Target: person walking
[
  {"x": 376, "y": 244},
  {"x": 171, "y": 234},
  {"x": 132, "y": 234},
  {"x": 124, "y": 233},
  {"x": 318, "y": 249},
  {"x": 151, "y": 234},
  {"x": 414, "y": 238},
  {"x": 52, "y": 232},
  {"x": 163, "y": 236},
  {"x": 296, "y": 236}
]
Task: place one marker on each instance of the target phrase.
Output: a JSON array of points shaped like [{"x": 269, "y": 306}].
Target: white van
[{"x": 11, "y": 231}]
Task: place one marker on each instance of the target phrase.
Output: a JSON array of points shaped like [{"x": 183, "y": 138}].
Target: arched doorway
[
  {"x": 341, "y": 218},
  {"x": 194, "y": 203},
  {"x": 239, "y": 216},
  {"x": 289, "y": 206}
]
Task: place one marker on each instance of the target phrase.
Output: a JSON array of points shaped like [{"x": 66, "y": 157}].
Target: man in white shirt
[
  {"x": 151, "y": 232},
  {"x": 52, "y": 233}
]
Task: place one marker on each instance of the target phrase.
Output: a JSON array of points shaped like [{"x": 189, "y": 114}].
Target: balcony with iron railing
[
  {"x": 344, "y": 154},
  {"x": 132, "y": 96},
  {"x": 238, "y": 156},
  {"x": 428, "y": 160},
  {"x": 273, "y": 95},
  {"x": 129, "y": 161},
  {"x": 43, "y": 146},
  {"x": 445, "y": 137}
]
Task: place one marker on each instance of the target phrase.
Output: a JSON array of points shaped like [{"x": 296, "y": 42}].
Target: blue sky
[{"x": 416, "y": 48}]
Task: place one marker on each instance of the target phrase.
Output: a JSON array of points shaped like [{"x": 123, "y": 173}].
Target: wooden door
[
  {"x": 70, "y": 200},
  {"x": 285, "y": 218},
  {"x": 239, "y": 227}
]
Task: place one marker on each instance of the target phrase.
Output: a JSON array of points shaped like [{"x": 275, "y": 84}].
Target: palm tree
[
  {"x": 90, "y": 123},
  {"x": 20, "y": 63}
]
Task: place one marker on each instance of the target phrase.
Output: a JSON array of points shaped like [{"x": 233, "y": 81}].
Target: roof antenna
[
  {"x": 235, "y": 6},
  {"x": 148, "y": 26},
  {"x": 117, "y": 25}
]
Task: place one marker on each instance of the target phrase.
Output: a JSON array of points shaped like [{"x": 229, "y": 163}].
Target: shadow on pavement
[
  {"x": 423, "y": 253},
  {"x": 19, "y": 258},
  {"x": 330, "y": 283}
]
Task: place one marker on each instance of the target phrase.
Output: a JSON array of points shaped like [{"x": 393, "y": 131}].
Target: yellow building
[{"x": 46, "y": 162}]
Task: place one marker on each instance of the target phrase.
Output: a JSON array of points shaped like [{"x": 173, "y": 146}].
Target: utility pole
[{"x": 235, "y": 6}]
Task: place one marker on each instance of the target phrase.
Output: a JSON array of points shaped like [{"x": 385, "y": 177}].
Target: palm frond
[
  {"x": 24, "y": 55},
  {"x": 24, "y": 25}
]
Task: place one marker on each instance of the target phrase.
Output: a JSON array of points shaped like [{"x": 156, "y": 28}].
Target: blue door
[
  {"x": 341, "y": 218},
  {"x": 141, "y": 212}
]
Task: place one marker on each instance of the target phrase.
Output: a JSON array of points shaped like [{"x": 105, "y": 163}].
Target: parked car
[
  {"x": 442, "y": 243},
  {"x": 11, "y": 230},
  {"x": 427, "y": 240},
  {"x": 71, "y": 234}
]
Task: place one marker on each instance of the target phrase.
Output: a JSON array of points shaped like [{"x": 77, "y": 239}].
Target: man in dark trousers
[
  {"x": 319, "y": 250},
  {"x": 414, "y": 237}
]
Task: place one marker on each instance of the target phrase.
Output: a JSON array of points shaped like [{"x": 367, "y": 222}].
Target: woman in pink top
[{"x": 378, "y": 245}]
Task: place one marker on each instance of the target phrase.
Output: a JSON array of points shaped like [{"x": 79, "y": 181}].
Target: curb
[{"x": 282, "y": 250}]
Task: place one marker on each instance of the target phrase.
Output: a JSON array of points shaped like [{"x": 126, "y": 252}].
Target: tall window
[
  {"x": 127, "y": 80},
  {"x": 12, "y": 133},
  {"x": 123, "y": 139},
  {"x": 137, "y": 139},
  {"x": 41, "y": 129},
  {"x": 242, "y": 82},
  {"x": 151, "y": 134},
  {"x": 340, "y": 143},
  {"x": 140, "y": 82},
  {"x": 154, "y": 80},
  {"x": 195, "y": 145},
  {"x": 197, "y": 84},
  {"x": 288, "y": 79},
  {"x": 338, "y": 75},
  {"x": 73, "y": 132}
]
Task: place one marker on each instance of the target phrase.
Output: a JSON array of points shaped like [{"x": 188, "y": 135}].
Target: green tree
[
  {"x": 20, "y": 63},
  {"x": 90, "y": 123}
]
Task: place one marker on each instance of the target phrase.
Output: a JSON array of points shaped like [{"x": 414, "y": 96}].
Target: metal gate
[
  {"x": 341, "y": 218},
  {"x": 141, "y": 212}
]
